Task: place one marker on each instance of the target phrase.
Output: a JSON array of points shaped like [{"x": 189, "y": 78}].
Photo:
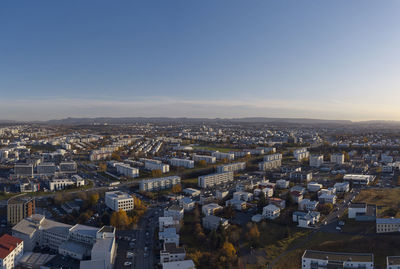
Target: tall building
[
  {"x": 127, "y": 170},
  {"x": 214, "y": 179},
  {"x": 11, "y": 251},
  {"x": 301, "y": 154},
  {"x": 337, "y": 158},
  {"x": 316, "y": 160},
  {"x": 19, "y": 208},
  {"x": 117, "y": 200}
]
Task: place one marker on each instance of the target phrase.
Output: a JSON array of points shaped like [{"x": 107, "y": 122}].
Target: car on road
[
  {"x": 338, "y": 228},
  {"x": 127, "y": 263}
]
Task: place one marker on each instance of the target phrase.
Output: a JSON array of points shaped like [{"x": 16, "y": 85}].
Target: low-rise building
[
  {"x": 393, "y": 262},
  {"x": 207, "y": 159},
  {"x": 172, "y": 253},
  {"x": 161, "y": 183},
  {"x": 174, "y": 211},
  {"x": 308, "y": 205},
  {"x": 359, "y": 180},
  {"x": 211, "y": 180},
  {"x": 222, "y": 155},
  {"x": 316, "y": 160},
  {"x": 126, "y": 170},
  {"x": 312, "y": 259},
  {"x": 282, "y": 184},
  {"x": 388, "y": 225},
  {"x": 210, "y": 209},
  {"x": 181, "y": 163},
  {"x": 117, "y": 200},
  {"x": 212, "y": 222},
  {"x": 11, "y": 251},
  {"x": 342, "y": 187},
  {"x": 232, "y": 167},
  {"x": 271, "y": 211}
]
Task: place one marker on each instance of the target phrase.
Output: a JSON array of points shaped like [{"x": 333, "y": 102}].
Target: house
[
  {"x": 212, "y": 222},
  {"x": 191, "y": 192},
  {"x": 282, "y": 184},
  {"x": 187, "y": 204},
  {"x": 236, "y": 204},
  {"x": 169, "y": 235},
  {"x": 329, "y": 191},
  {"x": 342, "y": 187},
  {"x": 296, "y": 196},
  {"x": 174, "y": 211},
  {"x": 278, "y": 202},
  {"x": 308, "y": 205},
  {"x": 172, "y": 253},
  {"x": 299, "y": 189},
  {"x": 321, "y": 259},
  {"x": 243, "y": 196},
  {"x": 327, "y": 198},
  {"x": 304, "y": 219},
  {"x": 167, "y": 222},
  {"x": 210, "y": 209},
  {"x": 269, "y": 192},
  {"x": 271, "y": 211},
  {"x": 314, "y": 187},
  {"x": 221, "y": 194}
]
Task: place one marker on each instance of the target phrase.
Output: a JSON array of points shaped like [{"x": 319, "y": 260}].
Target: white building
[
  {"x": 342, "y": 187},
  {"x": 126, "y": 170},
  {"x": 172, "y": 253},
  {"x": 282, "y": 184},
  {"x": 211, "y": 180},
  {"x": 174, "y": 211},
  {"x": 327, "y": 198},
  {"x": 271, "y": 161},
  {"x": 388, "y": 225},
  {"x": 181, "y": 163},
  {"x": 361, "y": 180},
  {"x": 316, "y": 160},
  {"x": 312, "y": 259},
  {"x": 271, "y": 211},
  {"x": 269, "y": 192},
  {"x": 221, "y": 155},
  {"x": 337, "y": 158},
  {"x": 208, "y": 159},
  {"x": 156, "y": 165},
  {"x": 60, "y": 184},
  {"x": 210, "y": 209},
  {"x": 308, "y": 205},
  {"x": 117, "y": 200},
  {"x": 243, "y": 196},
  {"x": 301, "y": 154},
  {"x": 233, "y": 167},
  {"x": 393, "y": 262},
  {"x": 314, "y": 187},
  {"x": 159, "y": 183},
  {"x": 11, "y": 251}
]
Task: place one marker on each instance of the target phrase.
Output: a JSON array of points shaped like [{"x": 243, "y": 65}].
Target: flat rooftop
[{"x": 338, "y": 256}]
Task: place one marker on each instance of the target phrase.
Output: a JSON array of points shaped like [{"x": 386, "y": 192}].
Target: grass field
[
  {"x": 385, "y": 199},
  {"x": 213, "y": 148}
]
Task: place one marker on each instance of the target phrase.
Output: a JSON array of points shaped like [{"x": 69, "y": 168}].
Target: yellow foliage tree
[
  {"x": 229, "y": 250},
  {"x": 94, "y": 198},
  {"x": 120, "y": 219},
  {"x": 202, "y": 163},
  {"x": 177, "y": 188},
  {"x": 102, "y": 167},
  {"x": 254, "y": 233},
  {"x": 156, "y": 173}
]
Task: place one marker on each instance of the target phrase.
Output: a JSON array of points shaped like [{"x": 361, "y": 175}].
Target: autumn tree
[
  {"x": 102, "y": 167},
  {"x": 156, "y": 173},
  {"x": 202, "y": 163},
  {"x": 94, "y": 198},
  {"x": 120, "y": 219},
  {"x": 177, "y": 188},
  {"x": 229, "y": 250},
  {"x": 115, "y": 156}
]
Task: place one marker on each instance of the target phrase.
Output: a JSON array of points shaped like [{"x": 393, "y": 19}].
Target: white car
[{"x": 127, "y": 263}]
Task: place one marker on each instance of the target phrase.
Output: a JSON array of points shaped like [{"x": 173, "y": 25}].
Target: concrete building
[
  {"x": 46, "y": 169},
  {"x": 271, "y": 211},
  {"x": 393, "y": 262},
  {"x": 312, "y": 259},
  {"x": 221, "y": 155},
  {"x": 68, "y": 167},
  {"x": 282, "y": 184},
  {"x": 174, "y": 211},
  {"x": 389, "y": 225},
  {"x": 316, "y": 160},
  {"x": 156, "y": 165},
  {"x": 359, "y": 180},
  {"x": 60, "y": 184},
  {"x": 18, "y": 208},
  {"x": 212, "y": 222},
  {"x": 342, "y": 187},
  {"x": 233, "y": 167},
  {"x": 271, "y": 161},
  {"x": 172, "y": 253},
  {"x": 159, "y": 183},
  {"x": 301, "y": 154},
  {"x": 314, "y": 187},
  {"x": 211, "y": 180},
  {"x": 337, "y": 158},
  {"x": 308, "y": 205},
  {"x": 210, "y": 209},
  {"x": 181, "y": 163},
  {"x": 186, "y": 264},
  {"x": 11, "y": 251},
  {"x": 23, "y": 170},
  {"x": 117, "y": 200},
  {"x": 126, "y": 170},
  {"x": 208, "y": 159}
]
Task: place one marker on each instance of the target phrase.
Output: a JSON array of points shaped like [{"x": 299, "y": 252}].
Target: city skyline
[{"x": 153, "y": 59}]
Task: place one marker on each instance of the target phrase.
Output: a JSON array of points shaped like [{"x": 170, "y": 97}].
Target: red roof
[{"x": 7, "y": 244}]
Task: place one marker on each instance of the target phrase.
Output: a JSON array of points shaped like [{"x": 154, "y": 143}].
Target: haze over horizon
[{"x": 212, "y": 59}]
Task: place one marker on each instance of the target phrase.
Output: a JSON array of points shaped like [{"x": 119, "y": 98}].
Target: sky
[{"x": 211, "y": 58}]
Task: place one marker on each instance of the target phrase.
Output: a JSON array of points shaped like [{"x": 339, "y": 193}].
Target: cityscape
[{"x": 207, "y": 134}]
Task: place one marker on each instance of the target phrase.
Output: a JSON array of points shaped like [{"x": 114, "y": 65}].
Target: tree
[
  {"x": 156, "y": 173},
  {"x": 94, "y": 198},
  {"x": 262, "y": 201},
  {"x": 325, "y": 208},
  {"x": 202, "y": 163},
  {"x": 229, "y": 250},
  {"x": 115, "y": 156},
  {"x": 177, "y": 188},
  {"x": 102, "y": 167},
  {"x": 120, "y": 219}
]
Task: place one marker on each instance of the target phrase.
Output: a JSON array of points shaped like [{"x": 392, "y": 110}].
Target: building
[
  {"x": 359, "y": 180},
  {"x": 362, "y": 212},
  {"x": 393, "y": 262},
  {"x": 207, "y": 159},
  {"x": 306, "y": 219},
  {"x": 389, "y": 225},
  {"x": 233, "y": 167},
  {"x": 161, "y": 183},
  {"x": 186, "y": 264},
  {"x": 174, "y": 211},
  {"x": 172, "y": 253},
  {"x": 282, "y": 184},
  {"x": 78, "y": 241},
  {"x": 308, "y": 205},
  {"x": 211, "y": 180},
  {"x": 23, "y": 170},
  {"x": 271, "y": 161},
  {"x": 117, "y": 200},
  {"x": 221, "y": 155},
  {"x": 187, "y": 204},
  {"x": 60, "y": 184},
  {"x": 47, "y": 169},
  {"x": 278, "y": 202},
  {"x": 337, "y": 158},
  {"x": 169, "y": 235},
  {"x": 301, "y": 176},
  {"x": 243, "y": 196},
  {"x": 301, "y": 154},
  {"x": 181, "y": 163},
  {"x": 212, "y": 222},
  {"x": 210, "y": 209},
  {"x": 314, "y": 187},
  {"x": 11, "y": 251},
  {"x": 271, "y": 211},
  {"x": 316, "y": 160},
  {"x": 312, "y": 259},
  {"x": 327, "y": 198},
  {"x": 156, "y": 165},
  {"x": 191, "y": 192},
  {"x": 126, "y": 170},
  {"x": 18, "y": 208},
  {"x": 68, "y": 167},
  {"x": 342, "y": 187}
]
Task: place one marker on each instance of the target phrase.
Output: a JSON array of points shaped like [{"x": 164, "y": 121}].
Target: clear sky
[{"x": 210, "y": 58}]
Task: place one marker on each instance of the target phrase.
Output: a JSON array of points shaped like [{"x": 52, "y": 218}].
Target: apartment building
[
  {"x": 337, "y": 158},
  {"x": 11, "y": 251},
  {"x": 208, "y": 159},
  {"x": 301, "y": 154},
  {"x": 393, "y": 262},
  {"x": 312, "y": 259},
  {"x": 271, "y": 161},
  {"x": 126, "y": 170},
  {"x": 214, "y": 179},
  {"x": 156, "y": 165},
  {"x": 19, "y": 208},
  {"x": 233, "y": 167},
  {"x": 316, "y": 160},
  {"x": 23, "y": 170},
  {"x": 359, "y": 180},
  {"x": 389, "y": 225},
  {"x": 159, "y": 183},
  {"x": 46, "y": 169},
  {"x": 117, "y": 200},
  {"x": 172, "y": 253},
  {"x": 221, "y": 155},
  {"x": 68, "y": 167},
  {"x": 181, "y": 163}
]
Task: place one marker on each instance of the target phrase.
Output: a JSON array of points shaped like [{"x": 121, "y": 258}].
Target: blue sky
[{"x": 318, "y": 59}]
